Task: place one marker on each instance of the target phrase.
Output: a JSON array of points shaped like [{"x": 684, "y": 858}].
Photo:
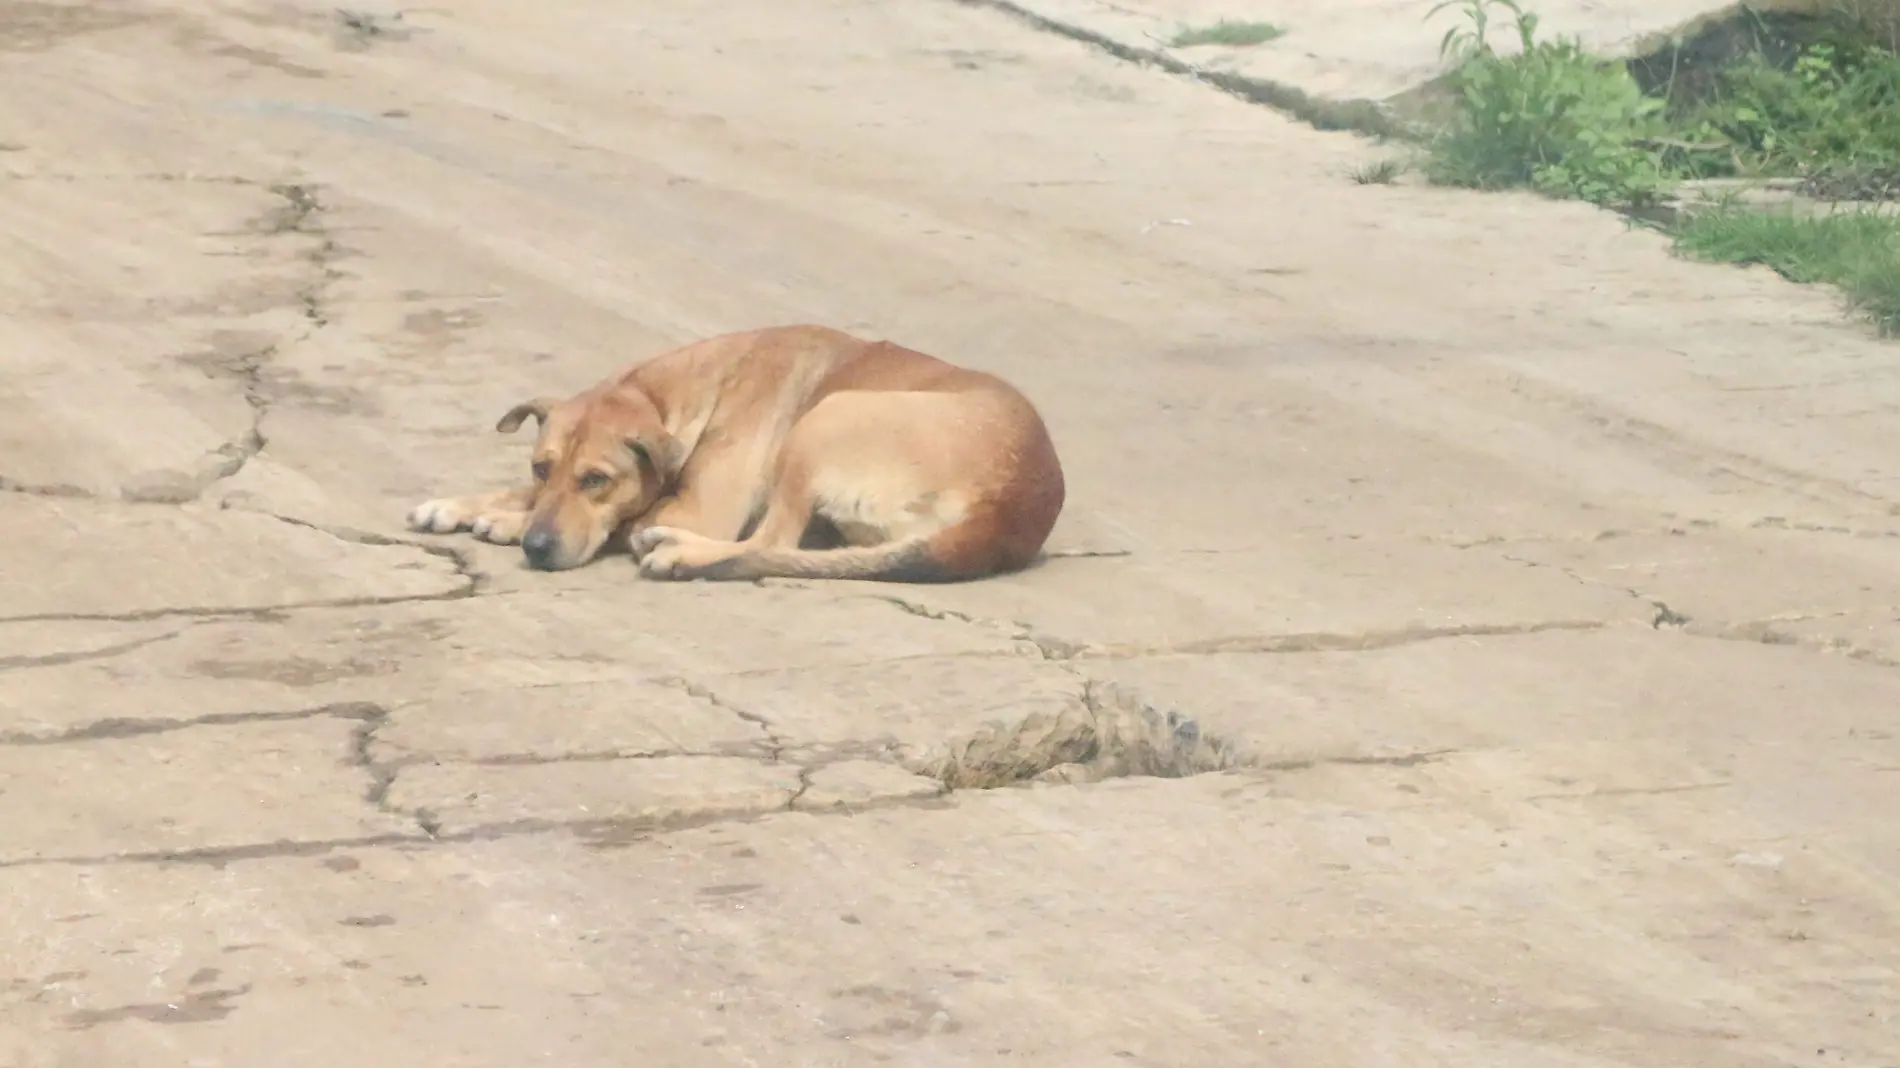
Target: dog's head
[{"x": 601, "y": 461}]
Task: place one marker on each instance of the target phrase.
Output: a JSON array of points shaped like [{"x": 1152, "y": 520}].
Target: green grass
[
  {"x": 1226, "y": 32},
  {"x": 1859, "y": 251},
  {"x": 1832, "y": 118}
]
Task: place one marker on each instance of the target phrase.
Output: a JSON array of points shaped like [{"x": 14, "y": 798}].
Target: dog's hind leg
[
  {"x": 916, "y": 555},
  {"x": 881, "y": 470},
  {"x": 498, "y": 517}
]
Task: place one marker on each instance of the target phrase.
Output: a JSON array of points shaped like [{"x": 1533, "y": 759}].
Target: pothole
[{"x": 1112, "y": 733}]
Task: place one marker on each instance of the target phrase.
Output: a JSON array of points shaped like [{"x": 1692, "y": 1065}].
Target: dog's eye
[
  {"x": 593, "y": 480},
  {"x": 540, "y": 471}
]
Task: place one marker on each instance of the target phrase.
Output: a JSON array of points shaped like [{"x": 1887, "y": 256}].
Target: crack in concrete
[
  {"x": 474, "y": 582},
  {"x": 1763, "y": 632},
  {"x": 1062, "y": 650},
  {"x": 132, "y": 727},
  {"x": 41, "y": 489},
  {"x": 1629, "y": 791},
  {"x": 805, "y": 772},
  {"x": 104, "y": 652},
  {"x": 585, "y": 756},
  {"x": 191, "y": 177},
  {"x": 774, "y": 745},
  {"x": 1663, "y": 615},
  {"x": 300, "y": 214},
  {"x": 816, "y": 757},
  {"x": 248, "y": 369},
  {"x": 601, "y": 834},
  {"x": 1085, "y": 554},
  {"x": 1129, "y": 755},
  {"x": 1398, "y": 760},
  {"x": 1354, "y": 116},
  {"x": 263, "y": 613},
  {"x": 1332, "y": 642},
  {"x": 215, "y": 856},
  {"x": 968, "y": 654},
  {"x": 1047, "y": 646},
  {"x": 1775, "y": 522},
  {"x": 475, "y": 579},
  {"x": 381, "y": 775},
  {"x": 168, "y": 488}
]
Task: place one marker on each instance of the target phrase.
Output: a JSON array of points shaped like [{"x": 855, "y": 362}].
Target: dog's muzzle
[{"x": 540, "y": 547}]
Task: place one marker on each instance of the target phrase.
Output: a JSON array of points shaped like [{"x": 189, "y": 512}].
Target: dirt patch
[
  {"x": 200, "y": 1006},
  {"x": 296, "y": 671},
  {"x": 33, "y": 26},
  {"x": 1111, "y": 733}
]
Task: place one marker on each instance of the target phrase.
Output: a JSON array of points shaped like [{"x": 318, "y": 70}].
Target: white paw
[
  {"x": 502, "y": 528},
  {"x": 444, "y": 515},
  {"x": 664, "y": 563},
  {"x": 653, "y": 538}
]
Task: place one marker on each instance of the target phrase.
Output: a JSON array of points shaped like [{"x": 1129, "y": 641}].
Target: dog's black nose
[{"x": 538, "y": 546}]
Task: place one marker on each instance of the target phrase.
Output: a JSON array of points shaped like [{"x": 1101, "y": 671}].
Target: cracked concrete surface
[
  {"x": 1348, "y": 50},
  {"x": 1472, "y": 632}
]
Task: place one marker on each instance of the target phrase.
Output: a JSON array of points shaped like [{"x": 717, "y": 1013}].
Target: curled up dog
[{"x": 792, "y": 451}]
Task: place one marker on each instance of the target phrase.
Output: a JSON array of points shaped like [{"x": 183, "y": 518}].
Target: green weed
[
  {"x": 1550, "y": 117},
  {"x": 1226, "y": 32}
]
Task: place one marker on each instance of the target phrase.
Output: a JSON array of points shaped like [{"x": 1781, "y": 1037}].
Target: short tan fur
[{"x": 792, "y": 451}]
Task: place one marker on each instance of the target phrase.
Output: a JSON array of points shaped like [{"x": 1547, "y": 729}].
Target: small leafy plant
[{"x": 1550, "y": 116}]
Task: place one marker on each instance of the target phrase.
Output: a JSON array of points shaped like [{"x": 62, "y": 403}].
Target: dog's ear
[
  {"x": 537, "y": 407},
  {"x": 661, "y": 451}
]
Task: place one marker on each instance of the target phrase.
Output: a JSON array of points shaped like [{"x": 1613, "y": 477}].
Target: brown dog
[{"x": 793, "y": 451}]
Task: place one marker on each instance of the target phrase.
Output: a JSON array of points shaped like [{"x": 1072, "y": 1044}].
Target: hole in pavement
[{"x": 1112, "y": 733}]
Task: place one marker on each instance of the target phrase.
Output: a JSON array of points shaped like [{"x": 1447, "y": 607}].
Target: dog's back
[{"x": 893, "y": 437}]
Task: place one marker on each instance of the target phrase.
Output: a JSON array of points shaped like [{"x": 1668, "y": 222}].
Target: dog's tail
[
  {"x": 984, "y": 542},
  {"x": 919, "y": 559},
  {"x": 988, "y": 538}
]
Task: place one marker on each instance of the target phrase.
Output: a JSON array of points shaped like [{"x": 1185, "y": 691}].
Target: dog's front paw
[
  {"x": 665, "y": 564},
  {"x": 666, "y": 553},
  {"x": 500, "y": 528},
  {"x": 444, "y": 515},
  {"x": 648, "y": 539},
  {"x": 657, "y": 551}
]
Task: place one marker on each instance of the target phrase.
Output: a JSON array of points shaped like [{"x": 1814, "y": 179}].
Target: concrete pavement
[
  {"x": 1471, "y": 639},
  {"x": 1372, "y": 50}
]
